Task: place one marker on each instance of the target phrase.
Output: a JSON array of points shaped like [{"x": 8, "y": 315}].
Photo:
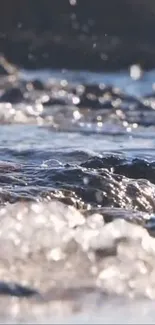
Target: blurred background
[{"x": 77, "y": 34}]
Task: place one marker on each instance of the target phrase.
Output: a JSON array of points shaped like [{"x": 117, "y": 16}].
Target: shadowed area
[{"x": 91, "y": 35}]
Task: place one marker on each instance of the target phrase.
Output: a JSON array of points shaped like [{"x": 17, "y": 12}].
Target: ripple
[
  {"x": 77, "y": 195},
  {"x": 94, "y": 108}
]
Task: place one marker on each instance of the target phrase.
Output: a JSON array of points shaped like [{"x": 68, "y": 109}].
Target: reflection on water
[
  {"x": 121, "y": 79},
  {"x": 77, "y": 193}
]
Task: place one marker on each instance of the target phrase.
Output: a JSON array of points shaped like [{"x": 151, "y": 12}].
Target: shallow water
[{"x": 77, "y": 194}]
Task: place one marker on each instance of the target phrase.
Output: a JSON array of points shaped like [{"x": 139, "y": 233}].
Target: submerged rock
[{"x": 12, "y": 95}]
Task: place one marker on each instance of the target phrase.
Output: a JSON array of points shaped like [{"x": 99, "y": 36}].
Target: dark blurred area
[{"x": 78, "y": 34}]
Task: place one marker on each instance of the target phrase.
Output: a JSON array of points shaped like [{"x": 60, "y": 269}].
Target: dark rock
[
  {"x": 54, "y": 101},
  {"x": 106, "y": 162},
  {"x": 37, "y": 85},
  {"x": 97, "y": 90},
  {"x": 16, "y": 290},
  {"x": 12, "y": 95}
]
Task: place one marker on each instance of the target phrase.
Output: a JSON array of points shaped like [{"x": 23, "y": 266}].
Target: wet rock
[
  {"x": 137, "y": 169},
  {"x": 16, "y": 290},
  {"x": 106, "y": 162},
  {"x": 12, "y": 95},
  {"x": 107, "y": 188},
  {"x": 95, "y": 89},
  {"x": 38, "y": 85},
  {"x": 136, "y": 217},
  {"x": 98, "y": 182},
  {"x": 90, "y": 101},
  {"x": 55, "y": 101},
  {"x": 97, "y": 97}
]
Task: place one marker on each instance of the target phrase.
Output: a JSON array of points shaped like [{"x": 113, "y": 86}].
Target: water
[{"x": 77, "y": 193}]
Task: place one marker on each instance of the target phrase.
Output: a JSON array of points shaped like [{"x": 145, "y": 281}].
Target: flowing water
[{"x": 77, "y": 194}]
